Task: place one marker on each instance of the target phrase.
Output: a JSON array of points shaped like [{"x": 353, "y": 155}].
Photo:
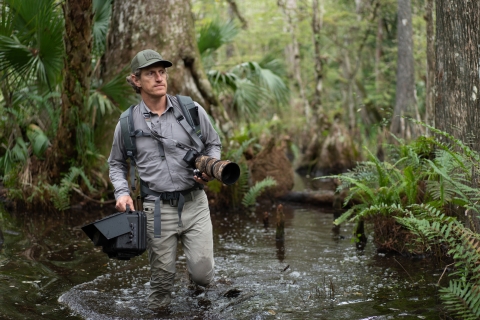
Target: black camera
[{"x": 190, "y": 157}]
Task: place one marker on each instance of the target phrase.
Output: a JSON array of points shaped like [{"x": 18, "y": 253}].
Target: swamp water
[{"x": 49, "y": 269}]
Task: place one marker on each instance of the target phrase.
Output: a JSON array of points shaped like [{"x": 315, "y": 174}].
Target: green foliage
[
  {"x": 14, "y": 156},
  {"x": 31, "y": 43},
  {"x": 215, "y": 34},
  {"x": 462, "y": 299},
  {"x": 393, "y": 188},
  {"x": 31, "y": 61},
  {"x": 60, "y": 194},
  {"x": 106, "y": 97},
  {"x": 462, "y": 296},
  {"x": 251, "y": 196},
  {"x": 380, "y": 185},
  {"x": 101, "y": 20},
  {"x": 251, "y": 88}
]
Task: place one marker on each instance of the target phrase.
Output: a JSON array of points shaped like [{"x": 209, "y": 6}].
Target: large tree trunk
[
  {"x": 76, "y": 83},
  {"x": 405, "y": 104},
  {"x": 458, "y": 54},
  {"x": 457, "y": 76},
  {"x": 166, "y": 26}
]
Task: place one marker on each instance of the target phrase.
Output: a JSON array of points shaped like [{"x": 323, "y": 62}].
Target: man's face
[{"x": 153, "y": 81}]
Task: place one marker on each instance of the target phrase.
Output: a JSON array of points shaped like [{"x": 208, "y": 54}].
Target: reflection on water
[{"x": 315, "y": 273}]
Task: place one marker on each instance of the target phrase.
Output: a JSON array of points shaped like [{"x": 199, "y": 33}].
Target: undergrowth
[{"x": 426, "y": 187}]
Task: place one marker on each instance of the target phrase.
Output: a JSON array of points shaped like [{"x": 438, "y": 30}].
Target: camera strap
[{"x": 182, "y": 120}]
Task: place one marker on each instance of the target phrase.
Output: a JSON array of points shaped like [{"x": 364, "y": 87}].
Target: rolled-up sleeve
[
  {"x": 118, "y": 166},
  {"x": 211, "y": 139}
]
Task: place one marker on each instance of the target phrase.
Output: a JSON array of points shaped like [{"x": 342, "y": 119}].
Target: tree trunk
[
  {"x": 457, "y": 74},
  {"x": 405, "y": 104},
  {"x": 430, "y": 86},
  {"x": 166, "y": 26},
  {"x": 76, "y": 83},
  {"x": 317, "y": 21},
  {"x": 293, "y": 50},
  {"x": 379, "y": 52},
  {"x": 233, "y": 9},
  {"x": 457, "y": 77}
]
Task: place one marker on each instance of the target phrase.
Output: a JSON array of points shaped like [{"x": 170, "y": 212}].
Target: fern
[
  {"x": 250, "y": 198},
  {"x": 60, "y": 195},
  {"x": 462, "y": 299}
]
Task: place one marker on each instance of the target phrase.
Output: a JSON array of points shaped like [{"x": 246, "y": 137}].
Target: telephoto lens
[{"x": 223, "y": 170}]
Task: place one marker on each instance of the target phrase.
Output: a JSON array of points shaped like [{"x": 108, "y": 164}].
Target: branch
[
  {"x": 233, "y": 6},
  {"x": 91, "y": 199}
]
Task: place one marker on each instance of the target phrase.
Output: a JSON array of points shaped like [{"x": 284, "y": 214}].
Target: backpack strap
[
  {"x": 129, "y": 142},
  {"x": 189, "y": 120}
]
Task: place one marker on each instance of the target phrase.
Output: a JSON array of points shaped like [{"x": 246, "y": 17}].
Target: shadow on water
[{"x": 49, "y": 269}]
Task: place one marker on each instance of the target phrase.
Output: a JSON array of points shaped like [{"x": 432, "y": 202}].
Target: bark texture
[
  {"x": 457, "y": 73},
  {"x": 430, "y": 83},
  {"x": 457, "y": 77},
  {"x": 292, "y": 51},
  {"x": 317, "y": 22},
  {"x": 405, "y": 101},
  {"x": 76, "y": 82}
]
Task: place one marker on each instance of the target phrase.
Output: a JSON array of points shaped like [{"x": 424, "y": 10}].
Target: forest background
[
  {"x": 383, "y": 94},
  {"x": 316, "y": 77}
]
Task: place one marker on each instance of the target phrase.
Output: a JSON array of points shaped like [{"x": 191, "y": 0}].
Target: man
[{"x": 165, "y": 175}]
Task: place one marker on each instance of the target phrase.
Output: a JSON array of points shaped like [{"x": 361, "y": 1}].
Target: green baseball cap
[{"x": 146, "y": 58}]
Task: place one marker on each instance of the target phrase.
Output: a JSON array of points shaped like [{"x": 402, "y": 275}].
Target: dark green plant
[
  {"x": 255, "y": 191},
  {"x": 462, "y": 296},
  {"x": 418, "y": 190},
  {"x": 60, "y": 194},
  {"x": 31, "y": 61},
  {"x": 378, "y": 185}
]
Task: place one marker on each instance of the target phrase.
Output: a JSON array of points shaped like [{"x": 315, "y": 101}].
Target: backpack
[{"x": 188, "y": 119}]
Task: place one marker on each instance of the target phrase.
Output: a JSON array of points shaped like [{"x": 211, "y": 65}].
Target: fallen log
[{"x": 319, "y": 197}]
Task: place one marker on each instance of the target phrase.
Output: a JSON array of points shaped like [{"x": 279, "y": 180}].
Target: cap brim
[{"x": 165, "y": 63}]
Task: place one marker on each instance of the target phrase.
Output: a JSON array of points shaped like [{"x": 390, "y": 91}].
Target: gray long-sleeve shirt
[{"x": 170, "y": 174}]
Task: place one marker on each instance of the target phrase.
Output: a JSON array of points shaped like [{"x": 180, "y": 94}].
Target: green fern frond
[
  {"x": 60, "y": 195},
  {"x": 236, "y": 154},
  {"x": 462, "y": 299},
  {"x": 250, "y": 198}
]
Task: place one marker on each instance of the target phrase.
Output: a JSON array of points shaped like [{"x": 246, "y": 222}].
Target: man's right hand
[{"x": 122, "y": 202}]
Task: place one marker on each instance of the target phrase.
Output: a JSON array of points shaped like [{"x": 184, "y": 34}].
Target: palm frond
[
  {"x": 215, "y": 34},
  {"x": 222, "y": 80},
  {"x": 247, "y": 99},
  {"x": 35, "y": 46},
  {"x": 101, "y": 20},
  {"x": 38, "y": 140}
]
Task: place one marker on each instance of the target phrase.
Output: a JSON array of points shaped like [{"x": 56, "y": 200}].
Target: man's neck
[{"x": 156, "y": 105}]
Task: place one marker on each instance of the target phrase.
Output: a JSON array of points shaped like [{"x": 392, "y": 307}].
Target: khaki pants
[{"x": 197, "y": 242}]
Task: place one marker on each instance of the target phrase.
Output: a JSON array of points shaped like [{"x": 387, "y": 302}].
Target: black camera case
[{"x": 122, "y": 235}]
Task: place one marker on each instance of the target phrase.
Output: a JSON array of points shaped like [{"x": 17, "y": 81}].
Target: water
[{"x": 49, "y": 269}]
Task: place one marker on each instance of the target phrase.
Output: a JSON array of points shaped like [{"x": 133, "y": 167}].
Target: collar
[{"x": 147, "y": 113}]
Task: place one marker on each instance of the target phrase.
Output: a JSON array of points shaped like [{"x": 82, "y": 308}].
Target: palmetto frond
[
  {"x": 101, "y": 20},
  {"x": 215, "y": 34},
  {"x": 266, "y": 76},
  {"x": 115, "y": 94},
  {"x": 31, "y": 42}
]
